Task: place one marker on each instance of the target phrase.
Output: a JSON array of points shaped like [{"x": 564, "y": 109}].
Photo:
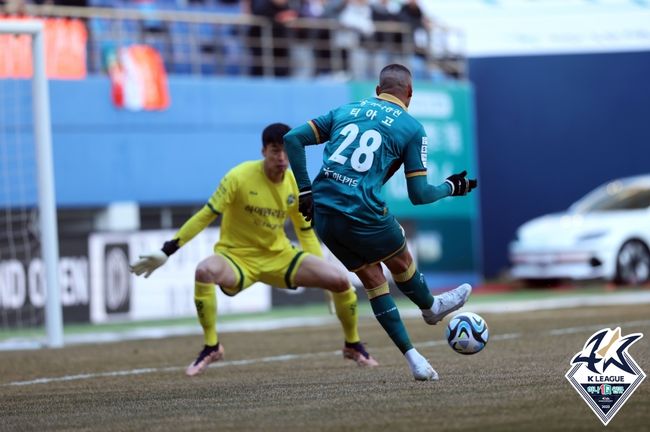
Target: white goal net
[{"x": 29, "y": 290}]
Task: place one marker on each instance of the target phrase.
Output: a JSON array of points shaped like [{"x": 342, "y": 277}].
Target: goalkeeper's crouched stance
[{"x": 255, "y": 198}]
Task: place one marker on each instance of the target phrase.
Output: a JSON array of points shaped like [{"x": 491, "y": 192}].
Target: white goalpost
[{"x": 14, "y": 140}]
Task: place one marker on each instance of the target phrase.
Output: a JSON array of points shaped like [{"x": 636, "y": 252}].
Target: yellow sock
[
  {"x": 205, "y": 300},
  {"x": 345, "y": 304}
]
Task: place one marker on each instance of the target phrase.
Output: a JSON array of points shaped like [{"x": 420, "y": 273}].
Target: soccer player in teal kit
[{"x": 366, "y": 142}]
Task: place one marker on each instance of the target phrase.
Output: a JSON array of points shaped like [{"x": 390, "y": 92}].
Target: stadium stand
[{"x": 211, "y": 37}]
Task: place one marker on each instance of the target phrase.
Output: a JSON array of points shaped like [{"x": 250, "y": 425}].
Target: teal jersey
[{"x": 366, "y": 142}]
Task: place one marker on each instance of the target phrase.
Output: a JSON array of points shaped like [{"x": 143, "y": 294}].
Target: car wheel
[{"x": 633, "y": 263}]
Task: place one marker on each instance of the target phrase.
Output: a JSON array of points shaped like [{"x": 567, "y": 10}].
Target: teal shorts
[{"x": 358, "y": 245}]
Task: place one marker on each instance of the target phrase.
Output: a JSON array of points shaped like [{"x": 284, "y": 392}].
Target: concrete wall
[{"x": 103, "y": 154}]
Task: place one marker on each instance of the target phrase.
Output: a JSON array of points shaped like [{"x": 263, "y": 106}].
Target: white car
[{"x": 605, "y": 235}]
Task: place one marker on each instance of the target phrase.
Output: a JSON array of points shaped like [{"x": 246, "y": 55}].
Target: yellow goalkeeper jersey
[{"x": 254, "y": 211}]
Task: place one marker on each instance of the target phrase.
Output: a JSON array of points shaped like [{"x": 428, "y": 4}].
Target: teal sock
[
  {"x": 388, "y": 316},
  {"x": 417, "y": 290}
]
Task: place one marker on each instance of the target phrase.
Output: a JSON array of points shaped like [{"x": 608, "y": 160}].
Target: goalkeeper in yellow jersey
[{"x": 254, "y": 199}]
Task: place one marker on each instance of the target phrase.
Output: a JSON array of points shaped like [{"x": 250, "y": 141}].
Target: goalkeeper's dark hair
[{"x": 274, "y": 134}]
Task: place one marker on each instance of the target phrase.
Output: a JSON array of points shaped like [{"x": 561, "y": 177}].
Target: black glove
[
  {"x": 461, "y": 185},
  {"x": 306, "y": 203},
  {"x": 171, "y": 246}
]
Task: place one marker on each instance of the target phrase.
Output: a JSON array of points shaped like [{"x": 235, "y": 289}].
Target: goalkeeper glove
[
  {"x": 306, "y": 203},
  {"x": 147, "y": 264},
  {"x": 460, "y": 185}
]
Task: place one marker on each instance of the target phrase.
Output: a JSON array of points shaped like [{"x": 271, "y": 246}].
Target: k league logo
[{"x": 604, "y": 373}]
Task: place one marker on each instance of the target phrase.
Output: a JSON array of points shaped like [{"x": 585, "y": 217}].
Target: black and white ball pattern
[{"x": 467, "y": 333}]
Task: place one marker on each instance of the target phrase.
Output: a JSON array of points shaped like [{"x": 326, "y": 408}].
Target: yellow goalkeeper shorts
[{"x": 277, "y": 269}]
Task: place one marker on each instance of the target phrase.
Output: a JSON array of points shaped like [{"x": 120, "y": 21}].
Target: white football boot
[
  {"x": 446, "y": 303},
  {"x": 420, "y": 367}
]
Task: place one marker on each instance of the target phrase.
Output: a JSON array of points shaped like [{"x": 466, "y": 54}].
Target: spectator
[
  {"x": 385, "y": 11},
  {"x": 420, "y": 25},
  {"x": 387, "y": 44},
  {"x": 313, "y": 57},
  {"x": 14, "y": 7},
  {"x": 279, "y": 13},
  {"x": 312, "y": 8},
  {"x": 355, "y": 18}
]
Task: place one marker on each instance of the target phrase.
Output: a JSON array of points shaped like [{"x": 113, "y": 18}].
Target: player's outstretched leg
[
  {"x": 446, "y": 303},
  {"x": 411, "y": 282},
  {"x": 205, "y": 300},
  {"x": 314, "y": 271},
  {"x": 388, "y": 316},
  {"x": 345, "y": 305}
]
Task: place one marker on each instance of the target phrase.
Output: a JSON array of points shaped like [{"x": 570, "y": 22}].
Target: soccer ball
[{"x": 467, "y": 333}]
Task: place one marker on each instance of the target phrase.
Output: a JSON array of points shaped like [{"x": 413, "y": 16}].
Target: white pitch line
[
  {"x": 143, "y": 371},
  {"x": 511, "y": 306},
  {"x": 161, "y": 333},
  {"x": 289, "y": 357},
  {"x": 93, "y": 375}
]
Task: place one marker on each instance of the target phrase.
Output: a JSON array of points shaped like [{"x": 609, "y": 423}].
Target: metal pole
[
  {"x": 46, "y": 197},
  {"x": 267, "y": 45}
]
